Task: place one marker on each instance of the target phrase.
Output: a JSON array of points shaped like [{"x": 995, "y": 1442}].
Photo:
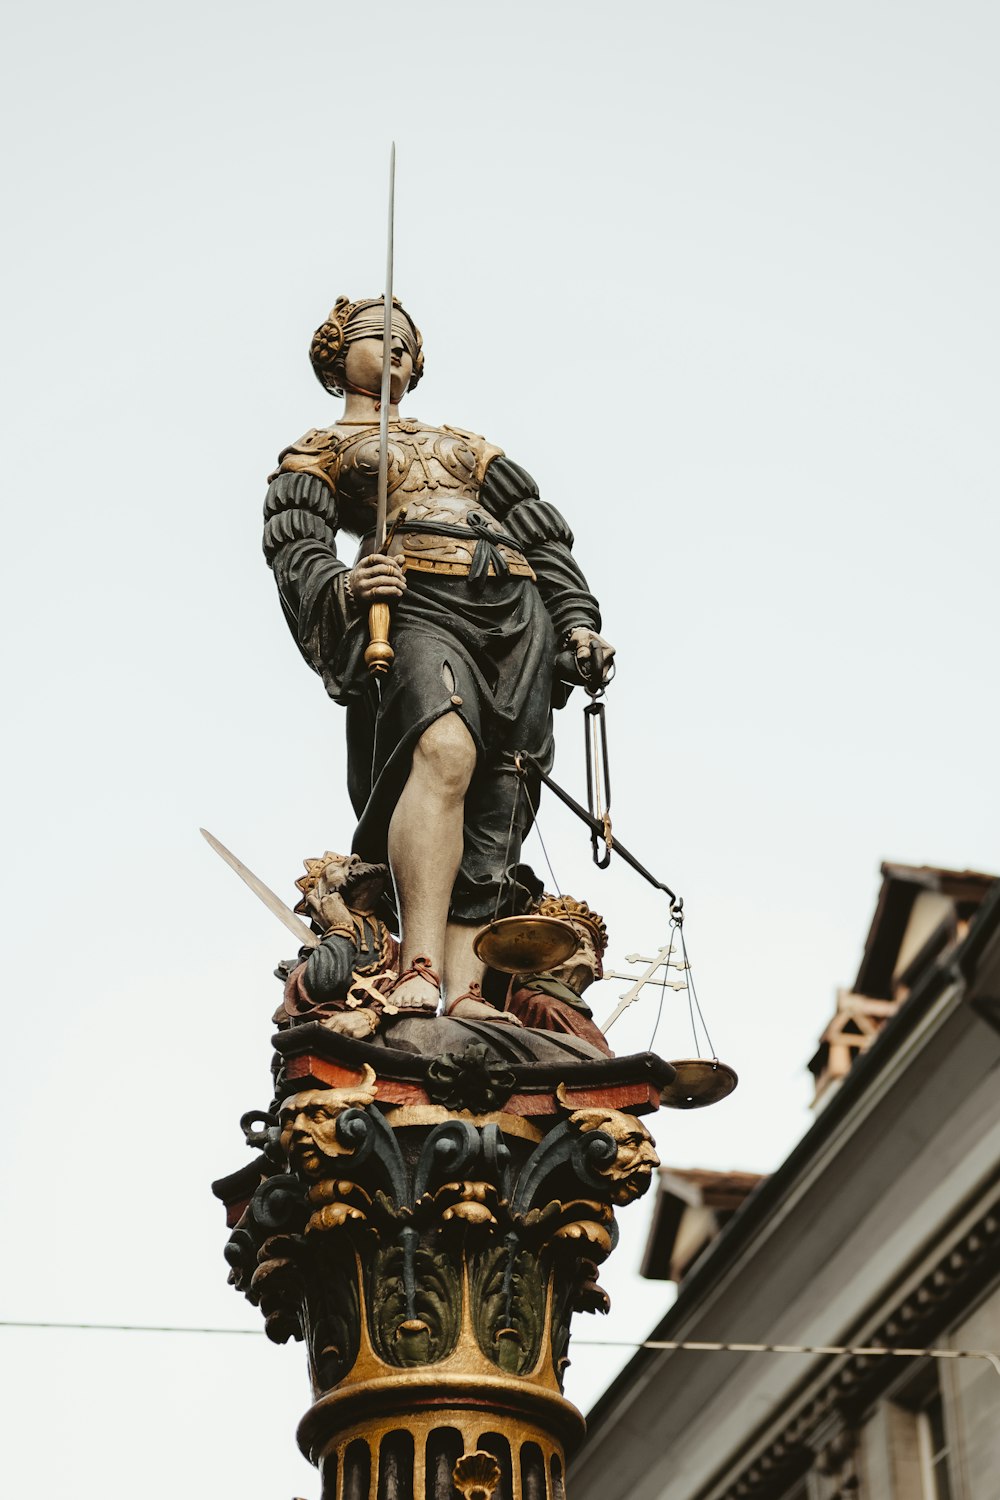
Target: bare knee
[{"x": 446, "y": 754}]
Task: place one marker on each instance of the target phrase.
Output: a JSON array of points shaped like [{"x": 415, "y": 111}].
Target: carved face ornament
[
  {"x": 636, "y": 1161},
  {"x": 636, "y": 1157},
  {"x": 309, "y": 1125}
]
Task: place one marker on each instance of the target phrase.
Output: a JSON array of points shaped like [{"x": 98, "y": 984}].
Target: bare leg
[
  {"x": 461, "y": 965},
  {"x": 462, "y": 970},
  {"x": 425, "y": 850}
]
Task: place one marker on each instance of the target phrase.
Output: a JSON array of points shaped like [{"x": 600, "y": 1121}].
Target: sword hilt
[{"x": 379, "y": 654}]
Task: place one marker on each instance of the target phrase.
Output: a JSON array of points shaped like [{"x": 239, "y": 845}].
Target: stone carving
[
  {"x": 515, "y": 1236},
  {"x": 629, "y": 1170},
  {"x": 553, "y": 1001},
  {"x": 507, "y": 1292},
  {"x": 432, "y": 1265},
  {"x": 476, "y": 1475},
  {"x": 344, "y": 982},
  {"x": 263, "y": 1254},
  {"x": 469, "y": 1080},
  {"x": 309, "y": 1133},
  {"x": 330, "y": 1300},
  {"x": 414, "y": 1303}
]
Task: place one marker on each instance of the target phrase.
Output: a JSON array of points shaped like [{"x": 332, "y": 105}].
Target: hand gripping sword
[{"x": 379, "y": 654}]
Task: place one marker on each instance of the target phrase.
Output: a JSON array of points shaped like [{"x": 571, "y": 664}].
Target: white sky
[{"x": 723, "y": 277}]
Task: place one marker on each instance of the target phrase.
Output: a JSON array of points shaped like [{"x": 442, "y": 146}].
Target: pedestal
[{"x": 428, "y": 1225}]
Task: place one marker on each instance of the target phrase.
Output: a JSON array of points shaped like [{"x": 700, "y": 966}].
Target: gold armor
[{"x": 435, "y": 476}]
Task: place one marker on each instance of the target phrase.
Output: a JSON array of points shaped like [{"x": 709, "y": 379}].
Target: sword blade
[
  {"x": 274, "y": 903},
  {"x": 383, "y": 418}
]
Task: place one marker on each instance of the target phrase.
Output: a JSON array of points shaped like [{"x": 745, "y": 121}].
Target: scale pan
[
  {"x": 526, "y": 945},
  {"x": 699, "y": 1081}
]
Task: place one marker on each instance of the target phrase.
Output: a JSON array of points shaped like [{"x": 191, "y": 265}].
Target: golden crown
[
  {"x": 575, "y": 911},
  {"x": 308, "y": 881}
]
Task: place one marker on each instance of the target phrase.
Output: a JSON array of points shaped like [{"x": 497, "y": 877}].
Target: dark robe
[{"x": 483, "y": 648}]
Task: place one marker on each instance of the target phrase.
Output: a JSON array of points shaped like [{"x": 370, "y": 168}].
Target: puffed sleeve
[
  {"x": 330, "y": 967},
  {"x": 300, "y": 528},
  {"x": 510, "y": 494},
  {"x": 320, "y": 981}
]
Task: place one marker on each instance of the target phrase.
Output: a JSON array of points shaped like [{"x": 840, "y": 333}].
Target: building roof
[
  {"x": 822, "y": 1250},
  {"x": 692, "y": 1206},
  {"x": 963, "y": 890}
]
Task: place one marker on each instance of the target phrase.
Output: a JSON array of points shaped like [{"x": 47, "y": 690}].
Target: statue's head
[
  {"x": 346, "y": 350},
  {"x": 358, "y": 883},
  {"x": 585, "y": 965}
]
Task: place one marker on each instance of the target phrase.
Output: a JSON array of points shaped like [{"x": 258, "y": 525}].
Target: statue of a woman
[{"x": 492, "y": 622}]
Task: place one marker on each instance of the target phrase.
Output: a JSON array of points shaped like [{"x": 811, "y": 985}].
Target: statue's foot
[
  {"x": 468, "y": 1008},
  {"x": 418, "y": 989},
  {"x": 357, "y": 1023},
  {"x": 416, "y": 995}
]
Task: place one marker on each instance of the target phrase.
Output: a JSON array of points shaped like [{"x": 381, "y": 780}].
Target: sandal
[
  {"x": 474, "y": 992},
  {"x": 420, "y": 969}
]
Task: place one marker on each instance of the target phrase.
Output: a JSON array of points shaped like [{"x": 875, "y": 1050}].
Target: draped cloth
[
  {"x": 483, "y": 647},
  {"x": 487, "y": 656},
  {"x": 545, "y": 1004}
]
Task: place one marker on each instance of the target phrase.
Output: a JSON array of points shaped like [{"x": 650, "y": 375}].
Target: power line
[
  {"x": 691, "y": 1345},
  {"x": 865, "y": 1350},
  {"x": 253, "y": 1333}
]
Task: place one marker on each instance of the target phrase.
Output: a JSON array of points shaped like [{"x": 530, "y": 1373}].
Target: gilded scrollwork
[
  {"x": 585, "y": 1224},
  {"x": 468, "y": 1204},
  {"x": 417, "y": 1232},
  {"x": 278, "y": 1287},
  {"x": 337, "y": 1202}
]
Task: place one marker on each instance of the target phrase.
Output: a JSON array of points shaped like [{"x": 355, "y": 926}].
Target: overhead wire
[{"x": 696, "y": 1346}]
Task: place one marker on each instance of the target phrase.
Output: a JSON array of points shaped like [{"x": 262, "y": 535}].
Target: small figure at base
[
  {"x": 553, "y": 1001},
  {"x": 343, "y": 981}
]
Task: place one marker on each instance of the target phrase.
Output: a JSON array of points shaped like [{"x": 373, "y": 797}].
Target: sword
[
  {"x": 274, "y": 903},
  {"x": 379, "y": 654}
]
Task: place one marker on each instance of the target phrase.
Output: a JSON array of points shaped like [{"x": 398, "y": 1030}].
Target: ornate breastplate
[
  {"x": 434, "y": 475},
  {"x": 434, "y": 471}
]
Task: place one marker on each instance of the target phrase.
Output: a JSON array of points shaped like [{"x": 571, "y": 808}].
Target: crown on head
[
  {"x": 575, "y": 911},
  {"x": 308, "y": 882}
]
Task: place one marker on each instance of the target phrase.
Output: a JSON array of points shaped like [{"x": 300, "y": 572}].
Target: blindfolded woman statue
[{"x": 492, "y": 622}]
